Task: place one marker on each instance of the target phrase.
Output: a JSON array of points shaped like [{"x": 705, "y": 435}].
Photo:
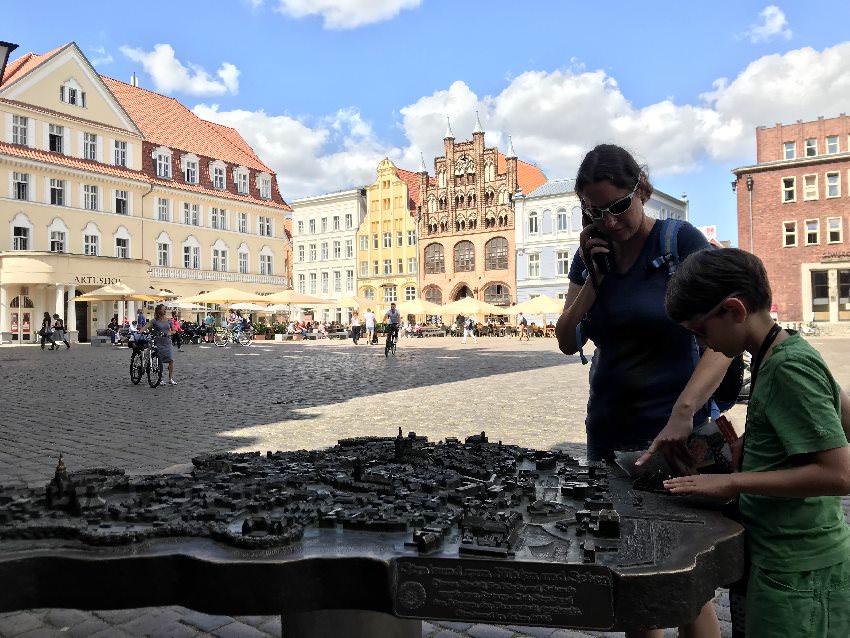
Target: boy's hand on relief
[{"x": 720, "y": 485}]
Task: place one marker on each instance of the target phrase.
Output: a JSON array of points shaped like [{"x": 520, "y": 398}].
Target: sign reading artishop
[{"x": 94, "y": 279}]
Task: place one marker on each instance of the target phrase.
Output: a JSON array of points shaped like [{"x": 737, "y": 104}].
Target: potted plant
[
  {"x": 279, "y": 331},
  {"x": 259, "y": 330}
]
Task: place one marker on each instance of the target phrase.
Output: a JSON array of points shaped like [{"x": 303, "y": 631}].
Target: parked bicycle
[
  {"x": 242, "y": 336},
  {"x": 145, "y": 358}
]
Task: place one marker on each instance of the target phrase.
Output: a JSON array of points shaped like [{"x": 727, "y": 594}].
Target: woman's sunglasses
[{"x": 616, "y": 208}]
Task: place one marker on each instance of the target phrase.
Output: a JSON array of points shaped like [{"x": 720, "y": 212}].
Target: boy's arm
[
  {"x": 828, "y": 474},
  {"x": 845, "y": 412}
]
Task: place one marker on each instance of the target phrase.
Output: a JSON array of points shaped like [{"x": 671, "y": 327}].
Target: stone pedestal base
[
  {"x": 5, "y": 337},
  {"x": 348, "y": 623}
]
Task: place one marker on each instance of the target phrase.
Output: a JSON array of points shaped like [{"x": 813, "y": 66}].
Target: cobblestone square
[{"x": 282, "y": 396}]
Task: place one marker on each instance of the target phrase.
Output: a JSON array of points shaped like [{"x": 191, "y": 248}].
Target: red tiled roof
[
  {"x": 287, "y": 226},
  {"x": 412, "y": 181},
  {"x": 528, "y": 175},
  {"x": 164, "y": 120},
  {"x": 17, "y": 69}
]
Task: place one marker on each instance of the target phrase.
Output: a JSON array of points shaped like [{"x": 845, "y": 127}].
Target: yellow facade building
[
  {"x": 104, "y": 182},
  {"x": 387, "y": 252}
]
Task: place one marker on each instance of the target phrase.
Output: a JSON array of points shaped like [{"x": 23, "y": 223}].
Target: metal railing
[{"x": 216, "y": 275}]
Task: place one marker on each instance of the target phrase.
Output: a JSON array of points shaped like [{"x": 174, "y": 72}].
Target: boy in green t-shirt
[{"x": 796, "y": 462}]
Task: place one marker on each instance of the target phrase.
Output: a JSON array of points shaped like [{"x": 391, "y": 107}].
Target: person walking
[
  {"x": 59, "y": 332},
  {"x": 369, "y": 318},
  {"x": 178, "y": 329},
  {"x": 522, "y": 324},
  {"x": 355, "y": 326},
  {"x": 469, "y": 330},
  {"x": 163, "y": 325},
  {"x": 140, "y": 319},
  {"x": 209, "y": 327},
  {"x": 46, "y": 332}
]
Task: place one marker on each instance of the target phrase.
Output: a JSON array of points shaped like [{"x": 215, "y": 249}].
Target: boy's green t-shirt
[{"x": 794, "y": 412}]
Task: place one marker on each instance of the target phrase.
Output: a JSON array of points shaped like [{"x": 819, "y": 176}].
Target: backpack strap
[{"x": 669, "y": 246}]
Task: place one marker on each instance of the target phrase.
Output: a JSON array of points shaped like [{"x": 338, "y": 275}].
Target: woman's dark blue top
[{"x": 643, "y": 360}]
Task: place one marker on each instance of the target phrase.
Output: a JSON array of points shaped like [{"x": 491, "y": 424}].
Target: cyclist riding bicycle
[
  {"x": 235, "y": 322},
  {"x": 392, "y": 318}
]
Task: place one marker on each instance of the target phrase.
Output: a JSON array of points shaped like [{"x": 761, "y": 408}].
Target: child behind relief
[{"x": 796, "y": 461}]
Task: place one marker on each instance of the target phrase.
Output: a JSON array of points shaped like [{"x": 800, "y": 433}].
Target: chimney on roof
[{"x": 134, "y": 80}]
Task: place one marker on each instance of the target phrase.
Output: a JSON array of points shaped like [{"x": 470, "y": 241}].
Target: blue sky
[{"x": 324, "y": 89}]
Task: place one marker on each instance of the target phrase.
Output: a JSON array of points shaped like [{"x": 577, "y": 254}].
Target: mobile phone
[{"x": 602, "y": 260}]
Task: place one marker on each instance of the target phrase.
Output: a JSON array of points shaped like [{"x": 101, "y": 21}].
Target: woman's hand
[
  {"x": 591, "y": 246},
  {"x": 672, "y": 442},
  {"x": 719, "y": 485}
]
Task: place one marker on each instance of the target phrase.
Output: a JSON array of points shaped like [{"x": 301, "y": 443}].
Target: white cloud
[
  {"x": 772, "y": 22},
  {"x": 346, "y": 14},
  {"x": 554, "y": 118},
  {"x": 100, "y": 56},
  {"x": 172, "y": 76}
]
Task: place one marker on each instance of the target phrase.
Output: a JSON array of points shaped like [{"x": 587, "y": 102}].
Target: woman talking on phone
[{"x": 646, "y": 389}]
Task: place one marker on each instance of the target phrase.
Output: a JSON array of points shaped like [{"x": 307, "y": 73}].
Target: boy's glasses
[
  {"x": 697, "y": 328},
  {"x": 614, "y": 209}
]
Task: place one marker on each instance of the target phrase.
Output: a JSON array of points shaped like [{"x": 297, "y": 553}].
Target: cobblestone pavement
[{"x": 287, "y": 396}]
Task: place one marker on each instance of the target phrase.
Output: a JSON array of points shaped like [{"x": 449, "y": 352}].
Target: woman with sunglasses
[{"x": 646, "y": 391}]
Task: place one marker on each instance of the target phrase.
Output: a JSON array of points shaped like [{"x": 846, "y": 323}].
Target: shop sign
[
  {"x": 14, "y": 322},
  {"x": 94, "y": 279}
]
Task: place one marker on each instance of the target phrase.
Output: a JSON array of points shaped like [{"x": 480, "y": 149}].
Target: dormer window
[
  {"x": 240, "y": 175},
  {"x": 71, "y": 93},
  {"x": 217, "y": 174},
  {"x": 189, "y": 163},
  {"x": 162, "y": 162},
  {"x": 264, "y": 183}
]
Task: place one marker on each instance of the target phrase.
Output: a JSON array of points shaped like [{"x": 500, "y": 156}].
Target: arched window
[
  {"x": 441, "y": 178},
  {"x": 576, "y": 221},
  {"x": 122, "y": 243},
  {"x": 368, "y": 293},
  {"x": 191, "y": 253},
  {"x": 432, "y": 204},
  {"x": 533, "y": 227},
  {"x": 435, "y": 259},
  {"x": 563, "y": 221},
  {"x": 496, "y": 254},
  {"x": 497, "y": 294},
  {"x": 21, "y": 233},
  {"x": 243, "y": 256},
  {"x": 546, "y": 225},
  {"x": 434, "y": 295},
  {"x": 163, "y": 250},
  {"x": 57, "y": 236},
  {"x": 219, "y": 256},
  {"x": 464, "y": 256},
  {"x": 489, "y": 171},
  {"x": 91, "y": 240},
  {"x": 266, "y": 261},
  {"x": 503, "y": 196}
]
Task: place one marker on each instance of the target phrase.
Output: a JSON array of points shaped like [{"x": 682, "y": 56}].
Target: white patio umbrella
[
  {"x": 540, "y": 305},
  {"x": 419, "y": 307},
  {"x": 471, "y": 306},
  {"x": 225, "y": 296}
]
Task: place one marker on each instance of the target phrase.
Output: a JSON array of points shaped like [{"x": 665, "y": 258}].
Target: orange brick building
[
  {"x": 466, "y": 221},
  {"x": 793, "y": 213}
]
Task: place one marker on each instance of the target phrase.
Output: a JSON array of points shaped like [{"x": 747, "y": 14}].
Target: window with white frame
[
  {"x": 218, "y": 176},
  {"x": 789, "y": 189},
  {"x": 812, "y": 231},
  {"x": 119, "y": 153},
  {"x": 300, "y": 227},
  {"x": 190, "y": 171},
  {"x": 312, "y": 252},
  {"x": 266, "y": 187},
  {"x": 266, "y": 264},
  {"x": 833, "y": 184},
  {"x": 300, "y": 253},
  {"x": 835, "y": 230},
  {"x": 325, "y": 282},
  {"x": 20, "y": 238},
  {"x": 337, "y": 246},
  {"x": 400, "y": 265},
  {"x": 789, "y": 234},
  {"x": 811, "y": 146},
  {"x": 244, "y": 257},
  {"x": 409, "y": 293},
  {"x": 90, "y": 197},
  {"x": 364, "y": 268},
  {"x": 388, "y": 240},
  {"x": 349, "y": 280},
  {"x": 91, "y": 245},
  {"x": 191, "y": 214},
  {"x": 21, "y": 186},
  {"x": 411, "y": 237},
  {"x": 369, "y": 293},
  {"x": 364, "y": 242},
  {"x": 163, "y": 254},
  {"x": 324, "y": 224},
  {"x": 349, "y": 248},
  {"x": 163, "y": 165},
  {"x": 790, "y": 150},
  {"x": 56, "y": 138},
  {"x": 534, "y": 265},
  {"x": 336, "y": 222},
  {"x": 242, "y": 181},
  {"x": 192, "y": 257},
  {"x": 264, "y": 226},
  {"x": 563, "y": 221},
  {"x": 219, "y": 259},
  {"x": 324, "y": 256},
  {"x": 218, "y": 218},
  {"x": 388, "y": 266},
  {"x": 390, "y": 294},
  {"x": 375, "y": 268},
  {"x": 121, "y": 202},
  {"x": 810, "y": 187},
  {"x": 57, "y": 241},
  {"x": 312, "y": 226},
  {"x": 163, "y": 209},
  {"x": 337, "y": 281},
  {"x": 313, "y": 282},
  {"x": 349, "y": 221},
  {"x": 302, "y": 284},
  {"x": 242, "y": 222},
  {"x": 375, "y": 240},
  {"x": 399, "y": 239},
  {"x": 122, "y": 247},
  {"x": 20, "y": 130},
  {"x": 57, "y": 192},
  {"x": 90, "y": 146},
  {"x": 411, "y": 265},
  {"x": 532, "y": 223},
  {"x": 831, "y": 144},
  {"x": 562, "y": 258},
  {"x": 72, "y": 94}
]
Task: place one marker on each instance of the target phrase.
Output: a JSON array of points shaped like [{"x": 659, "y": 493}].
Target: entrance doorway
[
  {"x": 463, "y": 293},
  {"x": 20, "y": 319}
]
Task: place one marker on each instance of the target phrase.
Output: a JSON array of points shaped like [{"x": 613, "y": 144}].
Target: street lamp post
[{"x": 5, "y": 49}]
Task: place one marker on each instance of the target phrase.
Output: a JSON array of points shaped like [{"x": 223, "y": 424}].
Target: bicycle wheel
[
  {"x": 155, "y": 370},
  {"x": 137, "y": 367},
  {"x": 393, "y": 346},
  {"x": 221, "y": 338},
  {"x": 387, "y": 346},
  {"x": 245, "y": 338}
]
